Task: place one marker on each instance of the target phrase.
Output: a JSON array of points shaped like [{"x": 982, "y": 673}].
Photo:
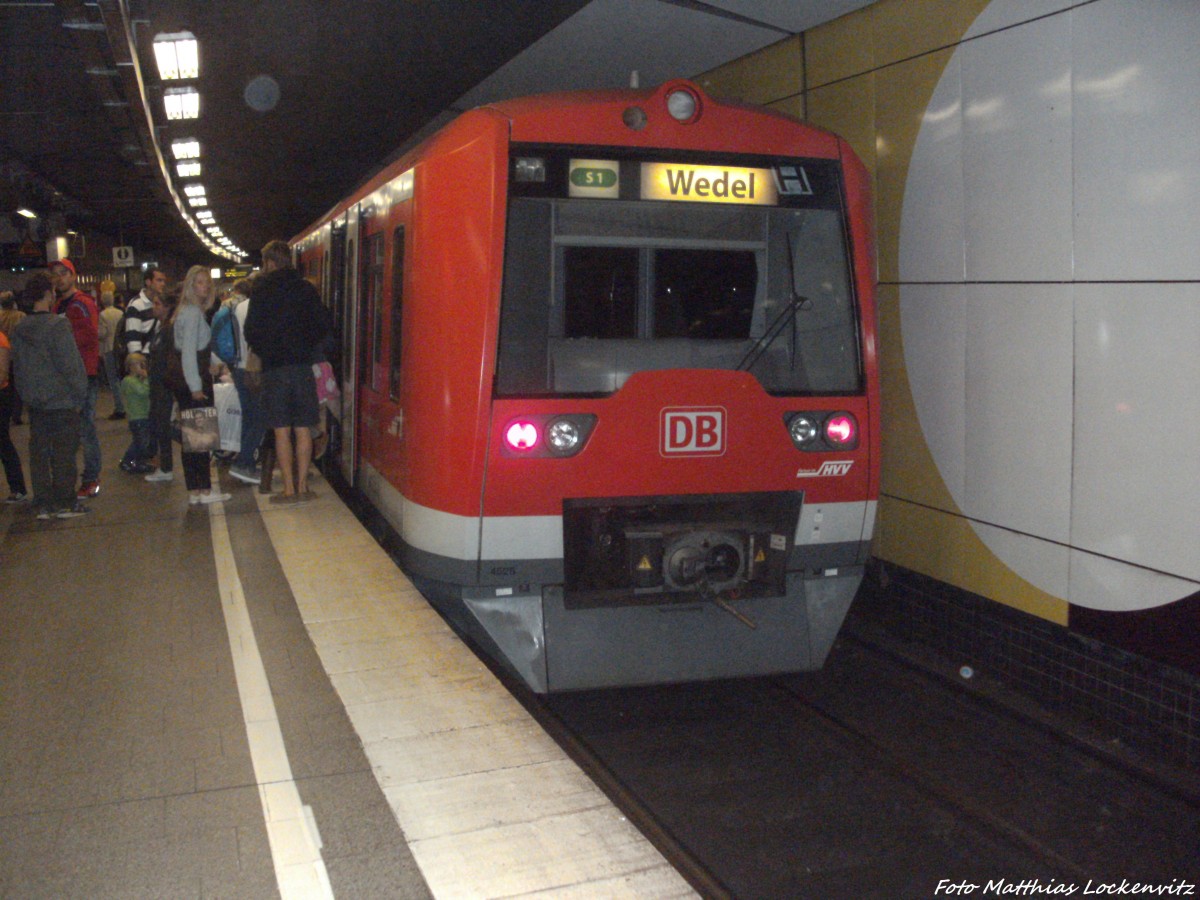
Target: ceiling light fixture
[
  {"x": 194, "y": 190},
  {"x": 188, "y": 148},
  {"x": 187, "y": 169},
  {"x": 182, "y": 103},
  {"x": 27, "y": 213},
  {"x": 178, "y": 55}
]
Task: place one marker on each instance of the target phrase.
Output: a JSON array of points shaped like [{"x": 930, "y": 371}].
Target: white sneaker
[
  {"x": 160, "y": 475},
  {"x": 214, "y": 497}
]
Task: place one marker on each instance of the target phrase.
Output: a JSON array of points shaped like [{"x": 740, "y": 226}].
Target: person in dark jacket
[
  {"x": 284, "y": 325},
  {"x": 53, "y": 383}
]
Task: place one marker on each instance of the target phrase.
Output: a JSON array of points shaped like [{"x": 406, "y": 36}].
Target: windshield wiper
[{"x": 782, "y": 321}]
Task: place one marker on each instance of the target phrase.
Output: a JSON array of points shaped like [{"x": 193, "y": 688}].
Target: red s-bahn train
[{"x": 609, "y": 371}]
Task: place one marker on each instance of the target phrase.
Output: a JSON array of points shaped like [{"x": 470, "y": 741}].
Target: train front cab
[
  {"x": 654, "y": 372},
  {"x": 685, "y": 386}
]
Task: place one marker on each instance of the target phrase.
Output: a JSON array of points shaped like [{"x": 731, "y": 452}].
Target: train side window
[
  {"x": 397, "y": 307},
  {"x": 373, "y": 297}
]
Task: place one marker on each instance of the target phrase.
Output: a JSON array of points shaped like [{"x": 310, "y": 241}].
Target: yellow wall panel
[
  {"x": 945, "y": 547},
  {"x": 902, "y": 93},
  {"x": 848, "y": 109},
  {"x": 907, "y": 28},
  {"x": 792, "y": 106},
  {"x": 772, "y": 74},
  {"x": 909, "y": 470},
  {"x": 840, "y": 49}
]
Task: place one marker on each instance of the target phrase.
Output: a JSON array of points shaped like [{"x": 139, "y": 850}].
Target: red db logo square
[{"x": 693, "y": 431}]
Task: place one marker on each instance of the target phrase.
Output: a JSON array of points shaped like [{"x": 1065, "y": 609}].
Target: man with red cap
[{"x": 80, "y": 310}]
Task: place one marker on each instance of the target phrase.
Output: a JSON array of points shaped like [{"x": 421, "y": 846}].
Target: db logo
[{"x": 693, "y": 431}]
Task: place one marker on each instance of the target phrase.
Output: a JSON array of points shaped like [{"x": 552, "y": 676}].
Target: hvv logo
[{"x": 693, "y": 431}]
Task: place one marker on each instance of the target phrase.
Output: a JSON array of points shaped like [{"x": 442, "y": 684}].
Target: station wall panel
[{"x": 1036, "y": 167}]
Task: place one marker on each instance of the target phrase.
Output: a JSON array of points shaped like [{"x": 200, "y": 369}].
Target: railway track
[{"x": 871, "y": 779}]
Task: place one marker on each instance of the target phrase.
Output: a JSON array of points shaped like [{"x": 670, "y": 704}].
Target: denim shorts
[{"x": 289, "y": 397}]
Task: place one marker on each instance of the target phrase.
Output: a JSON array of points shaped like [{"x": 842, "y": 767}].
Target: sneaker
[
  {"x": 160, "y": 475},
  {"x": 71, "y": 512},
  {"x": 214, "y": 497},
  {"x": 45, "y": 514},
  {"x": 116, "y": 416},
  {"x": 248, "y": 475},
  {"x": 88, "y": 489},
  {"x": 17, "y": 497}
]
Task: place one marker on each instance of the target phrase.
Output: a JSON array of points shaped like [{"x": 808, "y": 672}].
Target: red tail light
[
  {"x": 521, "y": 436},
  {"x": 841, "y": 430}
]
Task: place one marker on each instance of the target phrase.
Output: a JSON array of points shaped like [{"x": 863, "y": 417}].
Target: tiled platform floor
[{"x": 138, "y": 759}]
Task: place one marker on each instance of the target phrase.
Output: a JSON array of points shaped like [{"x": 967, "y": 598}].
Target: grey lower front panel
[
  {"x": 625, "y": 645},
  {"x": 555, "y": 648}
]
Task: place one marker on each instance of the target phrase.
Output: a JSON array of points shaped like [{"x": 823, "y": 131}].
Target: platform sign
[
  {"x": 122, "y": 257},
  {"x": 232, "y": 273}
]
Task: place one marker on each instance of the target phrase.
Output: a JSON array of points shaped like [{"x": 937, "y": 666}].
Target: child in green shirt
[{"x": 135, "y": 391}]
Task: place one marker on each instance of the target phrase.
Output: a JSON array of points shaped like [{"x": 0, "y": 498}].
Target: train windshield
[{"x": 596, "y": 290}]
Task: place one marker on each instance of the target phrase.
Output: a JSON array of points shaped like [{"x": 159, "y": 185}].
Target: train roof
[{"x": 557, "y": 118}]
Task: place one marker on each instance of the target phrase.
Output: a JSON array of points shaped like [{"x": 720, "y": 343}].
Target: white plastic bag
[{"x": 229, "y": 416}]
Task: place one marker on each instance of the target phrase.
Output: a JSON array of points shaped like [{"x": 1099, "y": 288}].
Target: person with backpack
[
  {"x": 80, "y": 310},
  {"x": 230, "y": 347}
]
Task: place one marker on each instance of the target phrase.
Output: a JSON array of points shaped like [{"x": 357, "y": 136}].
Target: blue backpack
[{"x": 224, "y": 336}]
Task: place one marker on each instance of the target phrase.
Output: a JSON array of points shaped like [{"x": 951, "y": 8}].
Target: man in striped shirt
[{"x": 140, "y": 323}]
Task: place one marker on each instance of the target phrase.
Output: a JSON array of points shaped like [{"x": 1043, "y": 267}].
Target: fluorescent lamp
[
  {"x": 27, "y": 213},
  {"x": 178, "y": 55},
  {"x": 182, "y": 103},
  {"x": 194, "y": 190},
  {"x": 188, "y": 148},
  {"x": 197, "y": 201},
  {"x": 187, "y": 169}
]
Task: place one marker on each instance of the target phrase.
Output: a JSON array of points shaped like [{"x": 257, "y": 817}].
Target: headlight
[
  {"x": 682, "y": 105},
  {"x": 563, "y": 435},
  {"x": 803, "y": 429}
]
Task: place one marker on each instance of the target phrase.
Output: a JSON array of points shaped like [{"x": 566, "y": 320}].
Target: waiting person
[
  {"x": 136, "y": 389},
  {"x": 284, "y": 325},
  {"x": 53, "y": 382},
  {"x": 80, "y": 310},
  {"x": 140, "y": 321},
  {"x": 192, "y": 337},
  {"x": 9, "y": 457},
  {"x": 244, "y": 467},
  {"x": 10, "y": 315},
  {"x": 162, "y": 401},
  {"x": 110, "y": 319}
]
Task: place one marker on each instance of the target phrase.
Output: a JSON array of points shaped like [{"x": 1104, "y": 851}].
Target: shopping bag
[
  {"x": 327, "y": 386},
  {"x": 229, "y": 416},
  {"x": 201, "y": 431}
]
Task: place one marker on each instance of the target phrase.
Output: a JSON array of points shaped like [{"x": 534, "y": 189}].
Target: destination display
[{"x": 708, "y": 184}]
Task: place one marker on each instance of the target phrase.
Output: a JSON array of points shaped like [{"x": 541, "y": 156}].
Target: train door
[
  {"x": 381, "y": 427},
  {"x": 346, "y": 312}
]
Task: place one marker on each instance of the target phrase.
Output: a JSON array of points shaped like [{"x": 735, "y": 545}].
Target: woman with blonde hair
[{"x": 192, "y": 337}]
